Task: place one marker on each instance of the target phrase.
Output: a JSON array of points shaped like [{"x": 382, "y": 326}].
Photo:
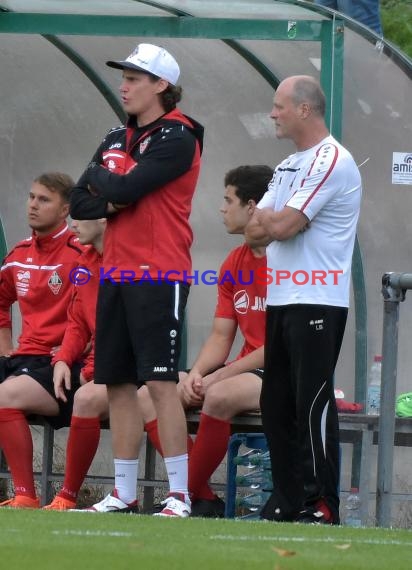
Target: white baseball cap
[{"x": 152, "y": 59}]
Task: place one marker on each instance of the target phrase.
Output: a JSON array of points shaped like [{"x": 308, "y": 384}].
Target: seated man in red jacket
[
  {"x": 91, "y": 404},
  {"x": 37, "y": 275},
  {"x": 225, "y": 388}
]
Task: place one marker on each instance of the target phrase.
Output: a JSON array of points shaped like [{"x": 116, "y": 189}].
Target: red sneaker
[
  {"x": 21, "y": 502},
  {"x": 60, "y": 504}
]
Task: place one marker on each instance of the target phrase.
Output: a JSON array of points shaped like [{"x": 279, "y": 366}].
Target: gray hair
[{"x": 308, "y": 90}]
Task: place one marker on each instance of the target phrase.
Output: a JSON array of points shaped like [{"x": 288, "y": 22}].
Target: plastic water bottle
[
  {"x": 249, "y": 459},
  {"x": 374, "y": 387},
  {"x": 261, "y": 459},
  {"x": 256, "y": 479},
  {"x": 352, "y": 508},
  {"x": 253, "y": 502},
  {"x": 259, "y": 481}
]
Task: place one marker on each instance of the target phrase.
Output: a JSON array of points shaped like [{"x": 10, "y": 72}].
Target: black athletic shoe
[
  {"x": 155, "y": 508},
  {"x": 312, "y": 515},
  {"x": 208, "y": 508},
  {"x": 272, "y": 512}
]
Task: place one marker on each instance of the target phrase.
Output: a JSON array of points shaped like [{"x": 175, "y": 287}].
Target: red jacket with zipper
[
  {"x": 154, "y": 169},
  {"x": 82, "y": 317},
  {"x": 36, "y": 274}
]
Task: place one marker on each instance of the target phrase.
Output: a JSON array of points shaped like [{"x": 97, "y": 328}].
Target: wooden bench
[{"x": 357, "y": 429}]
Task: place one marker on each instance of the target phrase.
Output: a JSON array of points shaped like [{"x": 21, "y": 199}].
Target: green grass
[
  {"x": 396, "y": 16},
  {"x": 68, "y": 541}
]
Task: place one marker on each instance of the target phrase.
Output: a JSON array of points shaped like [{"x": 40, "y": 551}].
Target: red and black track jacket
[
  {"x": 154, "y": 169},
  {"x": 36, "y": 274},
  {"x": 82, "y": 316}
]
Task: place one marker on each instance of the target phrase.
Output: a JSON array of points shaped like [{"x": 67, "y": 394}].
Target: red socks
[
  {"x": 153, "y": 435},
  {"x": 205, "y": 454},
  {"x": 209, "y": 449},
  {"x": 82, "y": 443},
  {"x": 17, "y": 445}
]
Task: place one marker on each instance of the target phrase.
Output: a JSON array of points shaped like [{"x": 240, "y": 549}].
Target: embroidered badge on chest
[
  {"x": 55, "y": 282},
  {"x": 143, "y": 144}
]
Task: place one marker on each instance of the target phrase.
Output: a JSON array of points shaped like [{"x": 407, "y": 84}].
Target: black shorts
[
  {"x": 40, "y": 369},
  {"x": 138, "y": 331},
  {"x": 258, "y": 372}
]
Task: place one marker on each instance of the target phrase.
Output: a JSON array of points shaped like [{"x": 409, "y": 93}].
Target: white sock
[
  {"x": 177, "y": 472},
  {"x": 125, "y": 479}
]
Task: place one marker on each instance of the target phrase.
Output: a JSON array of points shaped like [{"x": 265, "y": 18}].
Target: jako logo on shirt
[
  {"x": 23, "y": 275},
  {"x": 23, "y": 282},
  {"x": 242, "y": 303},
  {"x": 318, "y": 324},
  {"x": 160, "y": 369}
]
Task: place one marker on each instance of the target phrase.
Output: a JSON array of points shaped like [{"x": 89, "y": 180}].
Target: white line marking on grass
[
  {"x": 92, "y": 533},
  {"x": 383, "y": 542}
]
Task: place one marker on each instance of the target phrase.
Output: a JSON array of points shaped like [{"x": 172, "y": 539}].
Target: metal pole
[{"x": 393, "y": 295}]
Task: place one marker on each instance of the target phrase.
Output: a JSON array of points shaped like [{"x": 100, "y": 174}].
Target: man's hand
[
  {"x": 61, "y": 380},
  {"x": 114, "y": 208},
  {"x": 305, "y": 228},
  {"x": 256, "y": 232},
  {"x": 54, "y": 350},
  {"x": 266, "y": 225},
  {"x": 92, "y": 190},
  {"x": 191, "y": 389},
  {"x": 6, "y": 342},
  {"x": 214, "y": 377}
]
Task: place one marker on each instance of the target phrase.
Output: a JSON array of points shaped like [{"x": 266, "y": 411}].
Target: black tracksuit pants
[{"x": 298, "y": 405}]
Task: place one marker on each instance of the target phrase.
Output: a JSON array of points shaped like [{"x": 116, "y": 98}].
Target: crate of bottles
[{"x": 249, "y": 477}]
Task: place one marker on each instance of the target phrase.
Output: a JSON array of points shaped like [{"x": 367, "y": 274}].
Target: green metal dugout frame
[
  {"x": 3, "y": 246},
  {"x": 329, "y": 32}
]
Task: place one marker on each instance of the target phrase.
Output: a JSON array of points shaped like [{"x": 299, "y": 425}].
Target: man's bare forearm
[{"x": 6, "y": 342}]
